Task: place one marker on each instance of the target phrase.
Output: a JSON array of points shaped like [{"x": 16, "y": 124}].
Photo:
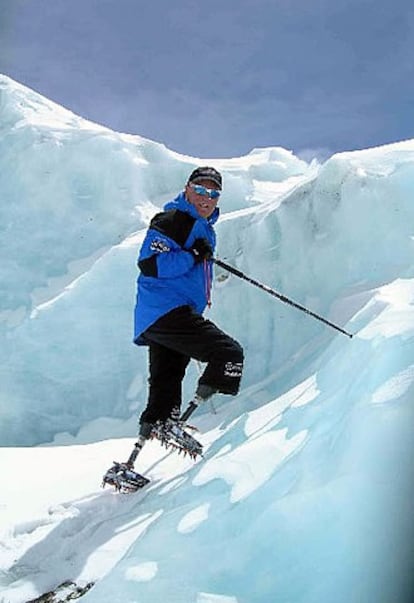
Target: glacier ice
[{"x": 305, "y": 493}]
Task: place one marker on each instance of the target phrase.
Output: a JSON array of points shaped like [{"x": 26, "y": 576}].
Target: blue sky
[{"x": 218, "y": 78}]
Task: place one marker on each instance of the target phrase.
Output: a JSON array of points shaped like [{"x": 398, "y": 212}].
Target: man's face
[{"x": 203, "y": 204}]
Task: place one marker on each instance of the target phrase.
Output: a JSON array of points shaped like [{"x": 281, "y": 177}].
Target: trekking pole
[{"x": 283, "y": 298}]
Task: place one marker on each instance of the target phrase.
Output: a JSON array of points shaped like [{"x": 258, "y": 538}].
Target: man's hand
[{"x": 201, "y": 250}]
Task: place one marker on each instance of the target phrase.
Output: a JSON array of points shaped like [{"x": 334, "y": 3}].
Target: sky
[{"x": 218, "y": 79}]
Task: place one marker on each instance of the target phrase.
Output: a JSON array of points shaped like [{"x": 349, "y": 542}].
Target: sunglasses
[{"x": 212, "y": 193}]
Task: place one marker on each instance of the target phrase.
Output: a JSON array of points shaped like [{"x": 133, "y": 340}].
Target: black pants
[{"x": 173, "y": 340}]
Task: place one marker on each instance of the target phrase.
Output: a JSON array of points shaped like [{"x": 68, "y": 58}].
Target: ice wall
[
  {"x": 72, "y": 193},
  {"x": 75, "y": 198},
  {"x": 305, "y": 493}
]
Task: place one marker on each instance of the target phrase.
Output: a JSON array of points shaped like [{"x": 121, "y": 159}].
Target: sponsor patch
[
  {"x": 159, "y": 246},
  {"x": 233, "y": 369}
]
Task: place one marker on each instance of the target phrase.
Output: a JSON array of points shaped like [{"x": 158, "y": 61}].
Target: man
[{"x": 173, "y": 291}]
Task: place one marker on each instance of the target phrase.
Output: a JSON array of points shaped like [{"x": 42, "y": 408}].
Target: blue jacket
[{"x": 169, "y": 276}]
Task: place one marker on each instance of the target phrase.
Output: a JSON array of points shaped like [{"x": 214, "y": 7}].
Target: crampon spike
[
  {"x": 172, "y": 435},
  {"x": 123, "y": 478}
]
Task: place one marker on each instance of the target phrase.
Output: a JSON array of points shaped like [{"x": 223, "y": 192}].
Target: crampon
[
  {"x": 172, "y": 434},
  {"x": 123, "y": 478}
]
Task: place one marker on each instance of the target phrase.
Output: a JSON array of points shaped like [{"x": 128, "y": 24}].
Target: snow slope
[{"x": 305, "y": 491}]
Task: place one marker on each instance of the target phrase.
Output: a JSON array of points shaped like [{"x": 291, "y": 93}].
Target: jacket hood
[{"x": 181, "y": 203}]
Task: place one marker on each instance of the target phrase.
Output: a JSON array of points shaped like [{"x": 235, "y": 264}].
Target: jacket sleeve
[{"x": 162, "y": 257}]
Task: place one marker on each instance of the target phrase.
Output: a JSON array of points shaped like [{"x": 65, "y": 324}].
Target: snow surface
[{"x": 304, "y": 495}]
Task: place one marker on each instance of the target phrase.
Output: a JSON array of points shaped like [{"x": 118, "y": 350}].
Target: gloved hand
[{"x": 201, "y": 250}]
